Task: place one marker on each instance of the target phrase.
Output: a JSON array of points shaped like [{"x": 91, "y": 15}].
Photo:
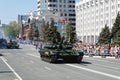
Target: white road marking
[
  {"x": 3, "y": 58},
  {"x": 48, "y": 68},
  {"x": 94, "y": 71},
  {"x": 90, "y": 70},
  {"x": 33, "y": 55},
  {"x": 32, "y": 61},
  {"x": 11, "y": 68}
]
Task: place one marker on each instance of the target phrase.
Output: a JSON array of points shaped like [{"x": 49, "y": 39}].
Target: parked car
[
  {"x": 12, "y": 45},
  {"x": 3, "y": 43}
]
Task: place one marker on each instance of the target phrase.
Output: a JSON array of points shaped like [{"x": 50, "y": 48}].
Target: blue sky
[{"x": 9, "y": 9}]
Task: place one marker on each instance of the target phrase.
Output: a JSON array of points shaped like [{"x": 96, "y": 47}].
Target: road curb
[{"x": 100, "y": 57}]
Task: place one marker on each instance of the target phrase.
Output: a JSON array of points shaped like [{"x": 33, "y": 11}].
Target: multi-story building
[
  {"x": 2, "y": 26},
  {"x": 65, "y": 7},
  {"x": 23, "y": 18},
  {"x": 27, "y": 22},
  {"x": 92, "y": 15},
  {"x": 48, "y": 16}
]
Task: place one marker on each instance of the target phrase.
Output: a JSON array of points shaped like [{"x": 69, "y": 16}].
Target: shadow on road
[
  {"x": 81, "y": 63},
  {"x": 14, "y": 48},
  {"x": 85, "y": 63},
  {"x": 1, "y": 54},
  {"x": 6, "y": 72}
]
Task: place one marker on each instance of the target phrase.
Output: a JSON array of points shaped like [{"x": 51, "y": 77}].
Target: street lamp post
[{"x": 36, "y": 36}]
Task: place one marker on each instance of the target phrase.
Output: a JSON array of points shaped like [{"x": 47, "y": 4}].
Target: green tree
[
  {"x": 116, "y": 26},
  {"x": 116, "y": 30},
  {"x": 73, "y": 35},
  {"x": 51, "y": 34},
  {"x": 44, "y": 28},
  {"x": 70, "y": 33},
  {"x": 117, "y": 38},
  {"x": 37, "y": 34},
  {"x": 12, "y": 30},
  {"x": 105, "y": 36},
  {"x": 31, "y": 34}
]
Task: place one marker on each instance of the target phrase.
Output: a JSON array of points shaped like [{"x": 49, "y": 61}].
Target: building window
[
  {"x": 107, "y": 1},
  {"x": 60, "y": 5},
  {"x": 101, "y": 2},
  {"x": 69, "y": 6},
  {"x": 61, "y": 14},
  {"x": 118, "y": 5},
  {"x": 65, "y": 14},
  {"x": 60, "y": 10},
  {"x": 45, "y": 1},
  {"x": 113, "y": 21},
  {"x": 113, "y": 13},
  {"x": 101, "y": 16},
  {"x": 101, "y": 22},
  {"x": 107, "y": 8},
  {"x": 71, "y": 14},
  {"x": 60, "y": 1},
  {"x": 101, "y": 9},
  {"x": 64, "y": 1},
  {"x": 65, "y": 19},
  {"x": 49, "y": 0},
  {"x": 113, "y": 7},
  {"x": 71, "y": 19},
  {"x": 73, "y": 1},
  {"x": 38, "y": 7},
  {"x": 106, "y": 22},
  {"x": 49, "y": 5},
  {"x": 113, "y": 0},
  {"x": 38, "y": 2}
]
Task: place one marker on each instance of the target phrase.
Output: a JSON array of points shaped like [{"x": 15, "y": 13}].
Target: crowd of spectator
[
  {"x": 98, "y": 49},
  {"x": 89, "y": 49}
]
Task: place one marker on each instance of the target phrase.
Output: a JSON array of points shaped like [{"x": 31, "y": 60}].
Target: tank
[
  {"x": 3, "y": 43},
  {"x": 12, "y": 45},
  {"x": 56, "y": 52}
]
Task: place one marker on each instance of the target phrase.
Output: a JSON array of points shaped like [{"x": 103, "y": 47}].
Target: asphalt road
[{"x": 25, "y": 64}]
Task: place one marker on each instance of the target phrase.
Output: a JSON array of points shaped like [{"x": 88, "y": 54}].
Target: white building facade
[
  {"x": 2, "y": 26},
  {"x": 66, "y": 8},
  {"x": 91, "y": 17}
]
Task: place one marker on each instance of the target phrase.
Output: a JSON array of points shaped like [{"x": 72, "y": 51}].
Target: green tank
[
  {"x": 12, "y": 45},
  {"x": 62, "y": 51}
]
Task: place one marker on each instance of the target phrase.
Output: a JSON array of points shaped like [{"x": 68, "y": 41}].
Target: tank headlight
[{"x": 52, "y": 53}]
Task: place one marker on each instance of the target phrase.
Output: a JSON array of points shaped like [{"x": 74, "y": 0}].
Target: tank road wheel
[
  {"x": 41, "y": 55},
  {"x": 50, "y": 60},
  {"x": 79, "y": 59},
  {"x": 53, "y": 59},
  {"x": 42, "y": 58}
]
